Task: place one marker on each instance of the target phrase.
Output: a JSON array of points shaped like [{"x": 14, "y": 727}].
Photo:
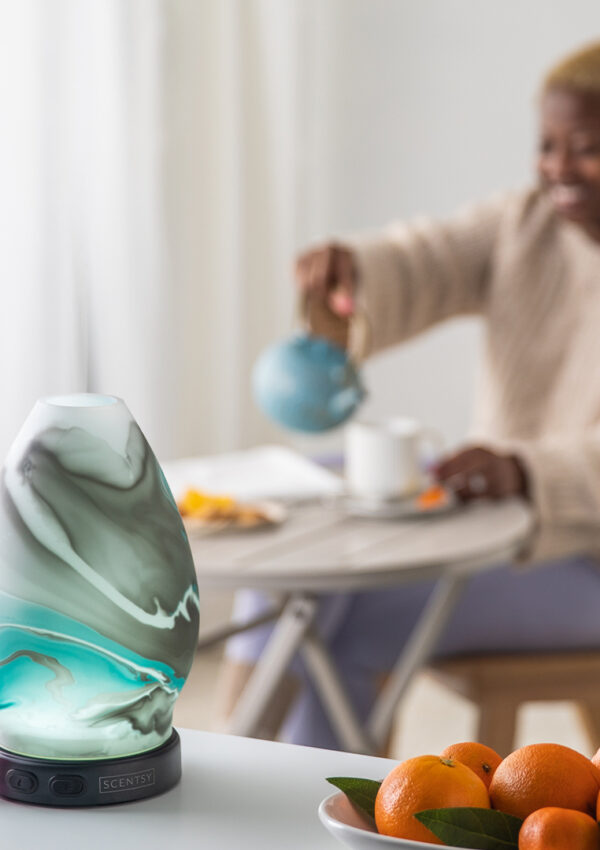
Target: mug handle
[{"x": 359, "y": 331}]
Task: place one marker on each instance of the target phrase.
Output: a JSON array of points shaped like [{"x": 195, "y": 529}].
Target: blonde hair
[{"x": 579, "y": 71}]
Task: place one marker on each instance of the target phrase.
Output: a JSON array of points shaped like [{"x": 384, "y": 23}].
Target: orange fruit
[
  {"x": 596, "y": 758},
  {"x": 542, "y": 775},
  {"x": 425, "y": 782},
  {"x": 598, "y": 807},
  {"x": 552, "y": 828},
  {"x": 481, "y": 759}
]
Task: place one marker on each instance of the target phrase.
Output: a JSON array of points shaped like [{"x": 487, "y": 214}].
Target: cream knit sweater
[{"x": 535, "y": 280}]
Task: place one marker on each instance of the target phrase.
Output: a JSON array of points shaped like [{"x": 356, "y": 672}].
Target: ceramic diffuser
[{"x": 98, "y": 609}]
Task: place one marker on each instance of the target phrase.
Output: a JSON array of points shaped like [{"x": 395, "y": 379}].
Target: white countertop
[{"x": 235, "y": 794}]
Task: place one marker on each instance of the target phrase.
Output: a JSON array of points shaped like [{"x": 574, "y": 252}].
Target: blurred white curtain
[
  {"x": 150, "y": 205},
  {"x": 234, "y": 122},
  {"x": 41, "y": 310}
]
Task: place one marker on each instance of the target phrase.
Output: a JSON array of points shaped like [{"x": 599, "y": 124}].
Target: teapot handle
[
  {"x": 359, "y": 331},
  {"x": 360, "y": 336}
]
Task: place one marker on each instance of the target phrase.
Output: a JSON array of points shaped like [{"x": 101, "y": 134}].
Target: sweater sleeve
[
  {"x": 564, "y": 478},
  {"x": 414, "y": 275}
]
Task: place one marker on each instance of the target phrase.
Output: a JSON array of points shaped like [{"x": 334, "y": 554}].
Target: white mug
[{"x": 384, "y": 459}]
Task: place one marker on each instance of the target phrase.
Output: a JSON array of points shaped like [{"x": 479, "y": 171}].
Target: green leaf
[
  {"x": 361, "y": 792},
  {"x": 478, "y": 829}
]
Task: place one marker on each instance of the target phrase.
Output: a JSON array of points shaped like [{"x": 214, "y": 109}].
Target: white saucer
[{"x": 406, "y": 508}]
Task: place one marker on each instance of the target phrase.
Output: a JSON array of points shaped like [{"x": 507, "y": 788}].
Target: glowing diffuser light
[{"x": 98, "y": 609}]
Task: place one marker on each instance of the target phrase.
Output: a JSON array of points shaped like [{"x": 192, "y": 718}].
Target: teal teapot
[{"x": 307, "y": 383}]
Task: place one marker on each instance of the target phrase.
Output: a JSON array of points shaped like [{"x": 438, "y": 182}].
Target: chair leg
[
  {"x": 589, "y": 717},
  {"x": 497, "y": 724}
]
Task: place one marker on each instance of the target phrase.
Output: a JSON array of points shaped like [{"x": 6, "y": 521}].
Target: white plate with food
[
  {"x": 207, "y": 513},
  {"x": 350, "y": 827}
]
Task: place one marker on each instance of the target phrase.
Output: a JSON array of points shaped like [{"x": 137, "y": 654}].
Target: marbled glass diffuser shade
[{"x": 98, "y": 597}]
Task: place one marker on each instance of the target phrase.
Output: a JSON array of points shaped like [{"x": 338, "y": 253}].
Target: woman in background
[{"x": 528, "y": 263}]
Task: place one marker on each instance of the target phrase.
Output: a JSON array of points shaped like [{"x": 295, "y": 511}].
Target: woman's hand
[
  {"x": 478, "y": 473},
  {"x": 326, "y": 278}
]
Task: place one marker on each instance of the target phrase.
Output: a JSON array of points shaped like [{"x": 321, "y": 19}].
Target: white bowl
[{"x": 346, "y": 824}]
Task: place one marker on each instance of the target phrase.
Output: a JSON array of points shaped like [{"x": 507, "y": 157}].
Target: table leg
[
  {"x": 330, "y": 688},
  {"x": 423, "y": 638},
  {"x": 220, "y": 633},
  {"x": 288, "y": 633}
]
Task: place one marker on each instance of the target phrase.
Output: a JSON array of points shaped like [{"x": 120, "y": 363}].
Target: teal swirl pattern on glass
[{"x": 99, "y": 605}]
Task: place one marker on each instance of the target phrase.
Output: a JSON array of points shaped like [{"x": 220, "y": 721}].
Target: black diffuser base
[{"x": 90, "y": 783}]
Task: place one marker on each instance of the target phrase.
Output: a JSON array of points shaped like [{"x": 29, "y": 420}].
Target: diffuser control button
[
  {"x": 67, "y": 786},
  {"x": 22, "y": 781}
]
